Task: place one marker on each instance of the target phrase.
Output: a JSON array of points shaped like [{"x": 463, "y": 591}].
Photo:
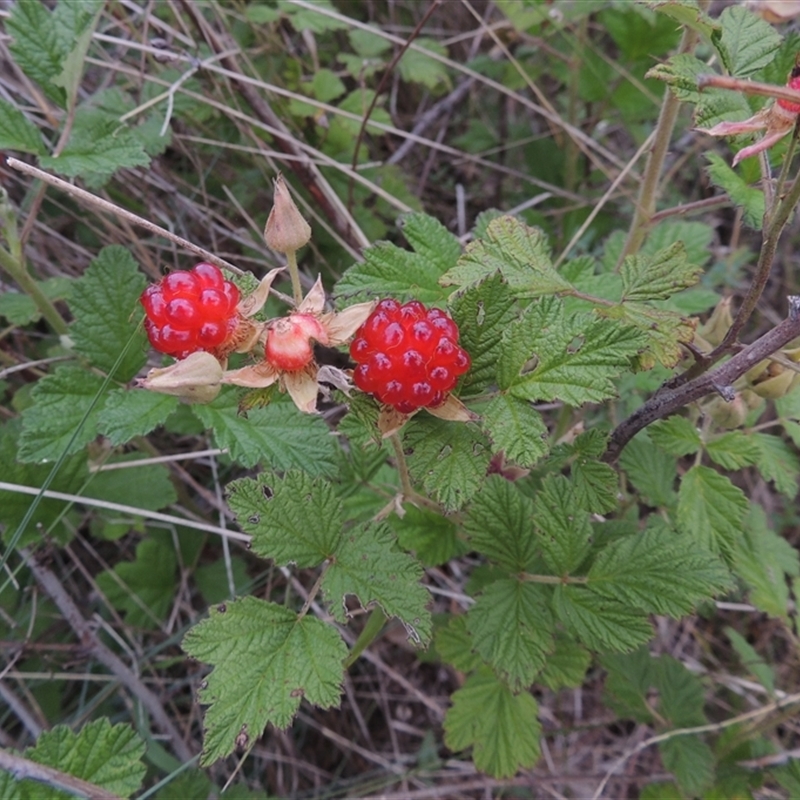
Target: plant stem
[
  {"x": 313, "y": 592},
  {"x": 402, "y": 466},
  {"x": 297, "y": 289},
  {"x": 368, "y": 635}
]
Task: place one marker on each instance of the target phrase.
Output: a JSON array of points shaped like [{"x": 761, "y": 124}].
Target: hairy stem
[{"x": 294, "y": 272}]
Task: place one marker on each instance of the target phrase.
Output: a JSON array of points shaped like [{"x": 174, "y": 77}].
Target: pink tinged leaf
[{"x": 752, "y": 125}]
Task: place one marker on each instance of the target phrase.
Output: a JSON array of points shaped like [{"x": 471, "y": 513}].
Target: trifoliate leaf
[
  {"x": 13, "y": 506},
  {"x": 266, "y": 660},
  {"x": 519, "y": 253},
  {"x": 130, "y": 413},
  {"x": 566, "y": 666},
  {"x": 431, "y": 537},
  {"x": 109, "y": 756},
  {"x": 17, "y": 132},
  {"x": 658, "y": 572},
  {"x": 662, "y": 332},
  {"x": 733, "y": 450},
  {"x": 565, "y": 533},
  {"x": 747, "y": 42},
  {"x": 778, "y": 462},
  {"x": 551, "y": 356},
  {"x": 448, "y": 458},
  {"x": 105, "y": 303},
  {"x": 278, "y": 435},
  {"x": 690, "y": 760},
  {"x": 60, "y": 402},
  {"x": 296, "y": 520},
  {"x": 390, "y": 270},
  {"x": 368, "y": 565},
  {"x": 511, "y": 627},
  {"x": 659, "y": 276},
  {"x": 711, "y": 509},
  {"x": 749, "y": 198},
  {"x": 762, "y": 559},
  {"x": 20, "y": 309},
  {"x": 501, "y": 727},
  {"x": 601, "y": 625},
  {"x": 516, "y": 428},
  {"x": 499, "y": 524},
  {"x": 676, "y": 435},
  {"x": 454, "y": 644},
  {"x": 144, "y": 588},
  {"x": 483, "y": 312},
  {"x": 650, "y": 470}
]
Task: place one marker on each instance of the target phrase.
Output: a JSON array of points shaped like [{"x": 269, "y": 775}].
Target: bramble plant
[{"x": 555, "y": 456}]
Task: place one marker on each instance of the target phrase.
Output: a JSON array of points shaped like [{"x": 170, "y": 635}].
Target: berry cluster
[
  {"x": 191, "y": 310},
  {"x": 407, "y": 355}
]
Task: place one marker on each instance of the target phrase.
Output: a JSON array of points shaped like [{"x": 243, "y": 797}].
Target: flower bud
[
  {"x": 196, "y": 378},
  {"x": 728, "y": 415},
  {"x": 286, "y": 231},
  {"x": 773, "y": 382},
  {"x": 718, "y": 324}
]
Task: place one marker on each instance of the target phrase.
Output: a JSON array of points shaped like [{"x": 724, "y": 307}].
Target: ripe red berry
[
  {"x": 191, "y": 311},
  {"x": 788, "y": 105},
  {"x": 289, "y": 340},
  {"x": 408, "y": 356}
]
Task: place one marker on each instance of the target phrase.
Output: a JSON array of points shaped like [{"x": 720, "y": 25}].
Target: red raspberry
[
  {"x": 408, "y": 356},
  {"x": 793, "y": 83},
  {"x": 289, "y": 341},
  {"x": 191, "y": 311}
]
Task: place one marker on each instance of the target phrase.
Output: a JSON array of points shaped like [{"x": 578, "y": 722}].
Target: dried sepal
[
  {"x": 197, "y": 378},
  {"x": 254, "y": 302}
]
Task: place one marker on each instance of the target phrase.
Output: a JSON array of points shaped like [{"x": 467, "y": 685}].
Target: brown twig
[
  {"x": 720, "y": 380},
  {"x": 748, "y": 87},
  {"x": 89, "y": 640},
  {"x": 22, "y": 768}
]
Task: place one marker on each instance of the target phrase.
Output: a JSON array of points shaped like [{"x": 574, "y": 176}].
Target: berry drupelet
[{"x": 408, "y": 355}]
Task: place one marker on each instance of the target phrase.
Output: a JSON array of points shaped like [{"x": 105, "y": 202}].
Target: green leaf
[
  {"x": 109, "y": 756},
  {"x": 145, "y": 486},
  {"x": 327, "y": 85},
  {"x": 448, "y": 458},
  {"x": 453, "y": 643},
  {"x": 747, "y": 42},
  {"x": 551, "y": 356},
  {"x": 658, "y": 572},
  {"x": 416, "y": 67},
  {"x": 630, "y": 676},
  {"x": 762, "y": 559},
  {"x": 595, "y": 485},
  {"x": 296, "y": 520},
  {"x": 650, "y": 470},
  {"x": 500, "y": 726},
  {"x": 499, "y": 524},
  {"x": 144, "y": 588},
  {"x": 566, "y": 666},
  {"x": 519, "y": 253},
  {"x": 516, "y": 427},
  {"x": 681, "y": 695},
  {"x": 659, "y": 276},
  {"x": 71, "y": 73},
  {"x": 662, "y": 332},
  {"x": 431, "y": 537},
  {"x": 511, "y": 628},
  {"x": 389, "y": 270},
  {"x": 749, "y": 198},
  {"x": 105, "y": 303},
  {"x": 20, "y": 309},
  {"x": 676, "y": 435},
  {"x": 130, "y": 413},
  {"x": 277, "y": 435},
  {"x": 565, "y": 532},
  {"x": 688, "y": 14},
  {"x": 266, "y": 660},
  {"x": 690, "y": 760},
  {"x": 98, "y": 146},
  {"x": 751, "y": 660},
  {"x": 778, "y": 462},
  {"x": 733, "y": 450},
  {"x": 60, "y": 401},
  {"x": 17, "y": 132},
  {"x": 696, "y": 237},
  {"x": 680, "y": 73},
  {"x": 483, "y": 312},
  {"x": 307, "y": 20},
  {"x": 602, "y": 625},
  {"x": 368, "y": 565},
  {"x": 711, "y": 509}
]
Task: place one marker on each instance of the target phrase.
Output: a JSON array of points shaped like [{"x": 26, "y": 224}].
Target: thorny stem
[
  {"x": 294, "y": 272},
  {"x": 668, "y": 401},
  {"x": 646, "y": 203}
]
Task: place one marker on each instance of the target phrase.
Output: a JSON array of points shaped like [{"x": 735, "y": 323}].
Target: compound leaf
[
  {"x": 127, "y": 413},
  {"x": 657, "y": 277},
  {"x": 747, "y": 42},
  {"x": 778, "y": 462},
  {"x": 676, "y": 435},
  {"x": 430, "y": 536},
  {"x": 511, "y": 627},
  {"x": 733, "y": 450},
  {"x": 741, "y": 193},
  {"x": 516, "y": 428},
  {"x": 499, "y": 725},
  {"x": 266, "y": 660},
  {"x": 566, "y": 666},
  {"x": 454, "y": 645},
  {"x": 690, "y": 760},
  {"x": 107, "y": 312}
]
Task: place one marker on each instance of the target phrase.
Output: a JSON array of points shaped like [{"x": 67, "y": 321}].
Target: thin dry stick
[
  {"x": 88, "y": 638},
  {"x": 713, "y": 727},
  {"x": 90, "y": 199},
  {"x": 21, "y": 768}
]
